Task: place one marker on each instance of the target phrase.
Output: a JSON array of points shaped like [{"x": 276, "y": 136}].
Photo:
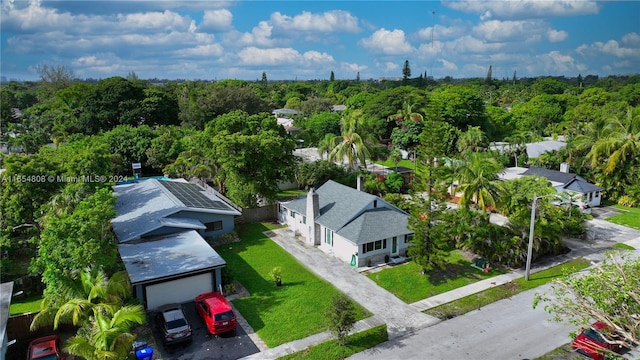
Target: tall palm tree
[
  {"x": 90, "y": 290},
  {"x": 350, "y": 145},
  {"x": 108, "y": 335},
  {"x": 619, "y": 143},
  {"x": 478, "y": 177},
  {"x": 326, "y": 145}
]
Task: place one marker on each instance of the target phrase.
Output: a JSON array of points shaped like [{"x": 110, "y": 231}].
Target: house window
[
  {"x": 293, "y": 215},
  {"x": 408, "y": 238},
  {"x": 327, "y": 237},
  {"x": 304, "y": 219},
  {"x": 213, "y": 226},
  {"x": 375, "y": 203}
]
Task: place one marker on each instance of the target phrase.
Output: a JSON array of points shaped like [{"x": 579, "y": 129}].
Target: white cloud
[
  {"x": 442, "y": 32},
  {"x": 555, "y": 63},
  {"x": 448, "y": 65},
  {"x": 350, "y": 67},
  {"x": 216, "y": 20},
  {"x": 387, "y": 66},
  {"x": 631, "y": 39},
  {"x": 470, "y": 44},
  {"x": 254, "y": 56},
  {"x": 555, "y": 36},
  {"x": 387, "y": 42},
  {"x": 159, "y": 21},
  {"x": 214, "y": 50},
  {"x": 327, "y": 22},
  {"x": 525, "y": 9},
  {"x": 259, "y": 36}
]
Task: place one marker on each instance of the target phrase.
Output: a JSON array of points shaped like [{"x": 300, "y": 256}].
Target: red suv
[
  {"x": 45, "y": 348},
  {"x": 216, "y": 312},
  {"x": 591, "y": 343}
]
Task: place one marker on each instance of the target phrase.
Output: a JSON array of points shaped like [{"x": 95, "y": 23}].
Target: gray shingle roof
[
  {"x": 344, "y": 210},
  {"x": 581, "y": 186},
  {"x": 142, "y": 207},
  {"x": 168, "y": 256},
  {"x": 551, "y": 175},
  {"x": 376, "y": 224}
]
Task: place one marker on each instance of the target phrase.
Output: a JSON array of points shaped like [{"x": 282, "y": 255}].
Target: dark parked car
[
  {"x": 45, "y": 348},
  {"x": 172, "y": 324},
  {"x": 591, "y": 341},
  {"x": 216, "y": 312}
]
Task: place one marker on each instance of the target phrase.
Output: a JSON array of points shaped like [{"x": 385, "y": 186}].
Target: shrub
[{"x": 342, "y": 317}]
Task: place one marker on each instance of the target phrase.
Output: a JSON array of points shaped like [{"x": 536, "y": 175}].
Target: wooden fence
[
  {"x": 260, "y": 214},
  {"x": 18, "y": 328}
]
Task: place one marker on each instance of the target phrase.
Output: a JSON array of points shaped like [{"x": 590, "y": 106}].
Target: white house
[
  {"x": 587, "y": 194},
  {"x": 357, "y": 227}
]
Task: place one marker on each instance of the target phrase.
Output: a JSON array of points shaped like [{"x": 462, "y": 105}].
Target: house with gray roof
[
  {"x": 586, "y": 194},
  {"x": 160, "y": 226},
  {"x": 355, "y": 226}
]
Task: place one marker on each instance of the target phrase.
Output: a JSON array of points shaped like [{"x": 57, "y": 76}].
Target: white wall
[{"x": 341, "y": 248}]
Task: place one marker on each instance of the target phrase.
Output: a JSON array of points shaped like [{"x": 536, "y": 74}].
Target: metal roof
[
  {"x": 143, "y": 207},
  {"x": 168, "y": 256}
]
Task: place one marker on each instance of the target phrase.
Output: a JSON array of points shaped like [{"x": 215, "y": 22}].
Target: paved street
[{"x": 507, "y": 329}]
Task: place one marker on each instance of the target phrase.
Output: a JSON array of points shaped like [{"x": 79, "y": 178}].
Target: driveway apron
[{"x": 400, "y": 317}]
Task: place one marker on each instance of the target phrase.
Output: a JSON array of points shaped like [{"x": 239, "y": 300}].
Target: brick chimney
[{"x": 313, "y": 211}]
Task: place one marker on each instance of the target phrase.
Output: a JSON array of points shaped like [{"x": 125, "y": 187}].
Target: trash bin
[
  {"x": 142, "y": 350},
  {"x": 145, "y": 353},
  {"x": 481, "y": 262}
]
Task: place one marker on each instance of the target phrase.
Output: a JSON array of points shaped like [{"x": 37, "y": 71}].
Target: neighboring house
[
  {"x": 534, "y": 150},
  {"x": 160, "y": 226},
  {"x": 357, "y": 227},
  {"x": 585, "y": 194},
  {"x": 6, "y": 293}
]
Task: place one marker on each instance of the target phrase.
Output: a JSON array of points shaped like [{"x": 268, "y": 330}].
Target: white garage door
[{"x": 178, "y": 291}]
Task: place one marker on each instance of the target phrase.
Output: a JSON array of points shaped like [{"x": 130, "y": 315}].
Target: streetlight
[{"x": 531, "y": 226}]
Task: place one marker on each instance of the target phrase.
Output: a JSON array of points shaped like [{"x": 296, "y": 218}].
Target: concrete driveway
[{"x": 204, "y": 345}]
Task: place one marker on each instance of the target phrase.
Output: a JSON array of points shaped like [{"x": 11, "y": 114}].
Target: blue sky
[{"x": 309, "y": 39}]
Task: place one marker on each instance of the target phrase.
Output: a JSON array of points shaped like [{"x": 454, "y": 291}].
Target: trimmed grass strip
[
  {"x": 29, "y": 304},
  {"x": 476, "y": 301},
  {"x": 330, "y": 350},
  {"x": 282, "y": 314},
  {"x": 408, "y": 284},
  {"x": 628, "y": 216},
  {"x": 622, "y": 246}
]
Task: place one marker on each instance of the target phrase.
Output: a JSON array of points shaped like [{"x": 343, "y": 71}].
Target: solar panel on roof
[{"x": 191, "y": 195}]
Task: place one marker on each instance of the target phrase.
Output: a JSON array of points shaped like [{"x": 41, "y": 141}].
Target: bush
[
  {"x": 342, "y": 317},
  {"x": 627, "y": 201}
]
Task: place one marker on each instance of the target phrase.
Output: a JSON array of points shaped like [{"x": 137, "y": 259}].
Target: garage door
[{"x": 178, "y": 291}]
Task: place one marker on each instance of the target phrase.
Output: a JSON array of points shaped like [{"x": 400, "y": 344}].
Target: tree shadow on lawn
[{"x": 461, "y": 269}]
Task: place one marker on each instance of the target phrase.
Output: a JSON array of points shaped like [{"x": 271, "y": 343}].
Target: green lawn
[
  {"x": 330, "y": 350},
  {"x": 622, "y": 246},
  {"x": 290, "y": 193},
  {"x": 476, "y": 301},
  {"x": 628, "y": 217},
  {"x": 277, "y": 314},
  {"x": 29, "y": 304},
  {"x": 408, "y": 284},
  {"x": 404, "y": 163}
]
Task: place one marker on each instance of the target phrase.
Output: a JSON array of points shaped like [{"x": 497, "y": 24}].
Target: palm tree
[
  {"x": 90, "y": 290},
  {"x": 350, "y": 144},
  {"x": 474, "y": 140},
  {"x": 326, "y": 145},
  {"x": 619, "y": 143},
  {"x": 478, "y": 178},
  {"x": 406, "y": 113},
  {"x": 108, "y": 335}
]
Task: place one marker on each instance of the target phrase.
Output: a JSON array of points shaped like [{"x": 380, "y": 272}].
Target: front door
[{"x": 394, "y": 246}]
